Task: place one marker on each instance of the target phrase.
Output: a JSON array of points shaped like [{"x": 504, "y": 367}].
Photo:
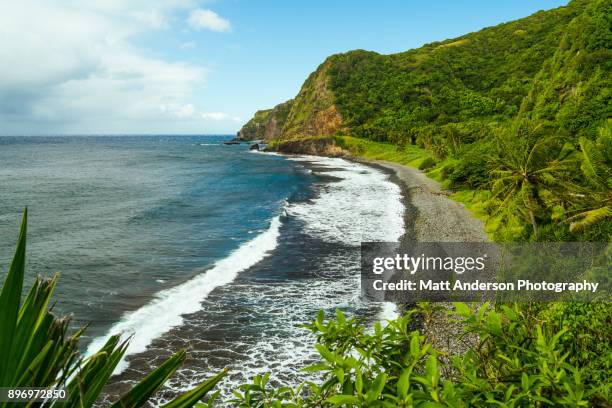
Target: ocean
[{"x": 188, "y": 243}]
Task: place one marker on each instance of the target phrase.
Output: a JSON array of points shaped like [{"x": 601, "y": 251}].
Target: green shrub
[
  {"x": 518, "y": 361},
  {"x": 589, "y": 330},
  {"x": 427, "y": 163},
  {"x": 472, "y": 165}
]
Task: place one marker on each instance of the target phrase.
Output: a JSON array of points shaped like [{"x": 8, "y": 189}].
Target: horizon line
[{"x": 118, "y": 134}]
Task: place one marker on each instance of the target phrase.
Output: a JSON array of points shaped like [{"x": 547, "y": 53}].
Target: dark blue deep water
[{"x": 186, "y": 242}]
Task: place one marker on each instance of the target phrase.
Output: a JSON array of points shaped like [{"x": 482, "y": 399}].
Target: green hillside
[
  {"x": 573, "y": 88},
  {"x": 267, "y": 123},
  {"x": 463, "y": 83},
  {"x": 479, "y": 105}
]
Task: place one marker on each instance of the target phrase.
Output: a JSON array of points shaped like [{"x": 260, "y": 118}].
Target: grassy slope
[{"x": 409, "y": 155}]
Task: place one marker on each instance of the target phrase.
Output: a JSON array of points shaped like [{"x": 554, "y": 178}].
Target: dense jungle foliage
[{"x": 524, "y": 356}]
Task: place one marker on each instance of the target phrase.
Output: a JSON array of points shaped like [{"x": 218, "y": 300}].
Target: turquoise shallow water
[{"x": 188, "y": 243}]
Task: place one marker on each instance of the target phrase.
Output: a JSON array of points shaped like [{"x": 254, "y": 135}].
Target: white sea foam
[
  {"x": 388, "y": 312},
  {"x": 364, "y": 205},
  {"x": 264, "y": 152},
  {"x": 166, "y": 310},
  {"x": 283, "y": 348}
]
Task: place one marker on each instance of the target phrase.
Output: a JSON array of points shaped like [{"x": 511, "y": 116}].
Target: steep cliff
[
  {"x": 314, "y": 112},
  {"x": 454, "y": 86},
  {"x": 266, "y": 124}
]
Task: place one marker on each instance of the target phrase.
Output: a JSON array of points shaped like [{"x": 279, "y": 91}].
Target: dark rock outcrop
[{"x": 320, "y": 146}]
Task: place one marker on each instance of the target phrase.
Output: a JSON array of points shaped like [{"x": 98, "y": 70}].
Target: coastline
[{"x": 430, "y": 215}]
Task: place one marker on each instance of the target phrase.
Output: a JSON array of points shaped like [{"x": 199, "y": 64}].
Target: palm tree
[
  {"x": 530, "y": 174},
  {"x": 36, "y": 350},
  {"x": 596, "y": 166}
]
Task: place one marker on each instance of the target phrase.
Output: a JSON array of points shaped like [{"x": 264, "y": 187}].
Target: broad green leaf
[
  {"x": 10, "y": 299},
  {"x": 325, "y": 353},
  {"x": 190, "y": 398},
  {"x": 377, "y": 387},
  {"x": 138, "y": 395},
  {"x": 462, "y": 309},
  {"x": 343, "y": 399},
  {"x": 403, "y": 383},
  {"x": 415, "y": 349}
]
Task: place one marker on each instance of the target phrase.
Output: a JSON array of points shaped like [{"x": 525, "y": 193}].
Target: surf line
[{"x": 166, "y": 310}]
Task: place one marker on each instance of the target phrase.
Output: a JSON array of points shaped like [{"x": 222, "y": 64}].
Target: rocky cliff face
[
  {"x": 312, "y": 113},
  {"x": 316, "y": 146},
  {"x": 255, "y": 128},
  {"x": 266, "y": 124}
]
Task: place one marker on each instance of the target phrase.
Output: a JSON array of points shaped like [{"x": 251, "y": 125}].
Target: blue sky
[{"x": 193, "y": 67}]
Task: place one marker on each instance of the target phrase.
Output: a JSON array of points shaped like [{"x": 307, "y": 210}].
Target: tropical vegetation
[
  {"x": 523, "y": 357},
  {"x": 519, "y": 355}
]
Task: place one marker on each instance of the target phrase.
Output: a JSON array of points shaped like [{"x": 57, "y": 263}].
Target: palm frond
[
  {"x": 592, "y": 162},
  {"x": 138, "y": 395},
  {"x": 190, "y": 398},
  {"x": 10, "y": 299},
  {"x": 587, "y": 219}
]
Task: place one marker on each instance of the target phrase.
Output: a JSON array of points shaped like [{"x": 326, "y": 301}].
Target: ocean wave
[
  {"x": 282, "y": 347},
  {"x": 388, "y": 312},
  {"x": 363, "y": 205},
  {"x": 265, "y": 153},
  {"x": 166, "y": 310}
]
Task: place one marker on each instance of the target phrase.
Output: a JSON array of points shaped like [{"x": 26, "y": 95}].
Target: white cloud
[
  {"x": 69, "y": 64},
  {"x": 208, "y": 19},
  {"x": 152, "y": 18},
  {"x": 179, "y": 111},
  {"x": 220, "y": 116},
  {"x": 187, "y": 45}
]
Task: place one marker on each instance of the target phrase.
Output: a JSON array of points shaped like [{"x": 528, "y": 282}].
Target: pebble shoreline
[{"x": 431, "y": 216}]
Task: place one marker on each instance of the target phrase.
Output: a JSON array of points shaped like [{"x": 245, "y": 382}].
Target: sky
[{"x": 197, "y": 66}]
